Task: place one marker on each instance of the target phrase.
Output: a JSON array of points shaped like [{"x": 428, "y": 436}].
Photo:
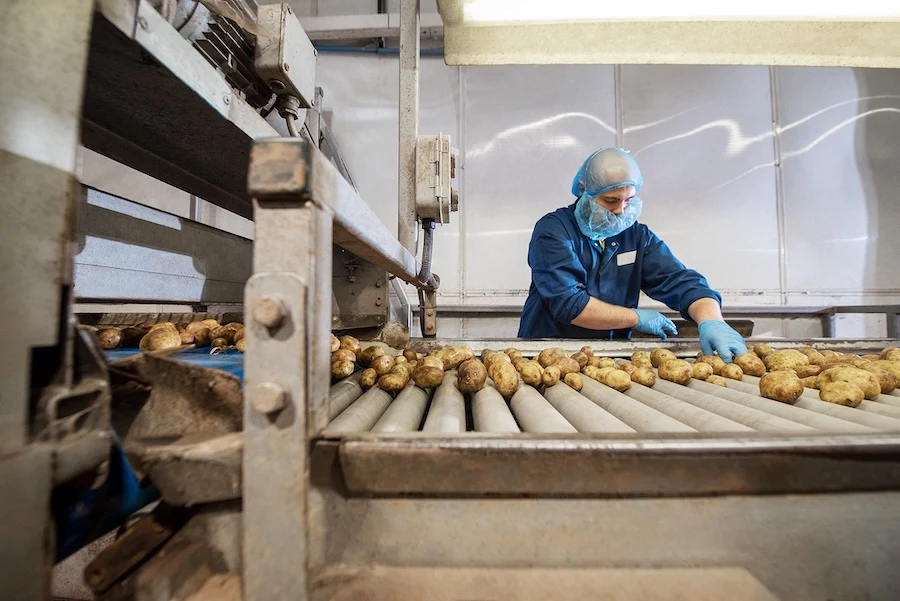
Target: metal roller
[
  {"x": 363, "y": 413},
  {"x": 866, "y": 405},
  {"x": 406, "y": 412},
  {"x": 535, "y": 414},
  {"x": 850, "y": 414},
  {"x": 750, "y": 417},
  {"x": 448, "y": 408},
  {"x": 825, "y": 423},
  {"x": 637, "y": 415},
  {"x": 490, "y": 413},
  {"x": 585, "y": 415},
  {"x": 696, "y": 417},
  {"x": 888, "y": 399},
  {"x": 343, "y": 394}
]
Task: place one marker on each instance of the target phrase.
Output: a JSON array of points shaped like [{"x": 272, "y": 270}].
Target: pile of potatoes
[{"x": 166, "y": 335}]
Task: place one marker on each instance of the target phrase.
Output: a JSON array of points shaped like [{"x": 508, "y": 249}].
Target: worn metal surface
[
  {"x": 177, "y": 570},
  {"x": 619, "y": 465},
  {"x": 388, "y": 583},
  {"x": 284, "y": 55},
  {"x": 490, "y": 413},
  {"x": 343, "y": 394},
  {"x": 408, "y": 130},
  {"x": 447, "y": 414},
  {"x": 535, "y": 414},
  {"x": 363, "y": 413},
  {"x": 406, "y": 411},
  {"x": 360, "y": 292},
  {"x": 199, "y": 468},
  {"x": 579, "y": 411}
]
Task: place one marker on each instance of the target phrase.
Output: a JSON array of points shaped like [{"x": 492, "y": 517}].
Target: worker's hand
[
  {"x": 655, "y": 323},
  {"x": 718, "y": 336}
]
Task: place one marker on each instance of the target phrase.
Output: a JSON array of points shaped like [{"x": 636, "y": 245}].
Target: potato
[
  {"x": 574, "y": 380},
  {"x": 217, "y": 342},
  {"x": 891, "y": 366},
  {"x": 471, "y": 377},
  {"x": 201, "y": 332},
  {"x": 400, "y": 359},
  {"x": 550, "y": 376},
  {"x": 814, "y": 356},
  {"x": 225, "y": 332},
  {"x": 644, "y": 376},
  {"x": 567, "y": 365},
  {"x": 428, "y": 376},
  {"x": 109, "y": 338},
  {"x": 660, "y": 355},
  {"x": 395, "y": 380},
  {"x": 782, "y": 386},
  {"x": 592, "y": 372},
  {"x": 810, "y": 381},
  {"x": 163, "y": 324},
  {"x": 186, "y": 337},
  {"x": 871, "y": 357},
  {"x": 549, "y": 356},
  {"x": 890, "y": 354},
  {"x": 368, "y": 378},
  {"x": 505, "y": 377},
  {"x": 518, "y": 362},
  {"x": 701, "y": 370},
  {"x": 829, "y": 354},
  {"x": 618, "y": 380},
  {"x": 335, "y": 343},
  {"x": 750, "y": 364},
  {"x": 716, "y": 380},
  {"x": 732, "y": 372},
  {"x": 238, "y": 335},
  {"x": 241, "y": 345},
  {"x": 410, "y": 355},
  {"x": 605, "y": 362},
  {"x": 160, "y": 339},
  {"x": 862, "y": 379},
  {"x": 639, "y": 356},
  {"x": 452, "y": 357},
  {"x": 350, "y": 343},
  {"x": 342, "y": 369},
  {"x": 641, "y": 362},
  {"x": 368, "y": 355},
  {"x": 131, "y": 335},
  {"x": 887, "y": 380},
  {"x": 841, "y": 393},
  {"x": 382, "y": 365},
  {"x": 785, "y": 360},
  {"x": 804, "y": 371},
  {"x": 676, "y": 370},
  {"x": 580, "y": 358},
  {"x": 493, "y": 358},
  {"x": 714, "y": 361},
  {"x": 762, "y": 350},
  {"x": 602, "y": 372},
  {"x": 432, "y": 361},
  {"x": 343, "y": 354},
  {"x": 587, "y": 351},
  {"x": 627, "y": 366},
  {"x": 531, "y": 372},
  {"x": 212, "y": 324},
  {"x": 513, "y": 353}
]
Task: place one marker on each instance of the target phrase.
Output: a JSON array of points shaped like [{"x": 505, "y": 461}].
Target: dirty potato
[
  {"x": 225, "y": 332},
  {"x": 382, "y": 365},
  {"x": 432, "y": 361},
  {"x": 350, "y": 343},
  {"x": 550, "y": 376},
  {"x": 587, "y": 351},
  {"x": 531, "y": 372},
  {"x": 343, "y": 354},
  {"x": 890, "y": 354},
  {"x": 365, "y": 357},
  {"x": 640, "y": 356},
  {"x": 186, "y": 337},
  {"x": 841, "y": 393},
  {"x": 627, "y": 366},
  {"x": 567, "y": 365},
  {"x": 505, "y": 377},
  {"x": 342, "y": 369},
  {"x": 163, "y": 324},
  {"x": 592, "y": 372},
  {"x": 428, "y": 376},
  {"x": 732, "y": 372},
  {"x": 714, "y": 361},
  {"x": 716, "y": 380},
  {"x": 617, "y": 380},
  {"x": 200, "y": 331},
  {"x": 574, "y": 381},
  {"x": 785, "y": 360},
  {"x": 804, "y": 371},
  {"x": 452, "y": 357},
  {"x": 471, "y": 376},
  {"x": 676, "y": 370},
  {"x": 212, "y": 324},
  {"x": 109, "y": 338},
  {"x": 814, "y": 356},
  {"x": 862, "y": 379},
  {"x": 160, "y": 339},
  {"x": 750, "y": 364},
  {"x": 891, "y": 366},
  {"x": 701, "y": 371},
  {"x": 368, "y": 378},
  {"x": 762, "y": 350},
  {"x": 395, "y": 380},
  {"x": 580, "y": 358},
  {"x": 549, "y": 356},
  {"x": 660, "y": 355},
  {"x": 887, "y": 380},
  {"x": 216, "y": 342},
  {"x": 410, "y": 355},
  {"x": 644, "y": 376},
  {"x": 335, "y": 343},
  {"x": 782, "y": 386},
  {"x": 810, "y": 382}
]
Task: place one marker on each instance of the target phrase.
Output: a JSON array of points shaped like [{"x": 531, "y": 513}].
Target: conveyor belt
[{"x": 666, "y": 408}]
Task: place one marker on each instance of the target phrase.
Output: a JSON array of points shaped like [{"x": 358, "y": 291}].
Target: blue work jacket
[{"x": 568, "y": 268}]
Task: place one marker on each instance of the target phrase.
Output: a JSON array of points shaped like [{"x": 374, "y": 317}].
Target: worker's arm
[
  {"x": 704, "y": 309},
  {"x": 598, "y": 315}
]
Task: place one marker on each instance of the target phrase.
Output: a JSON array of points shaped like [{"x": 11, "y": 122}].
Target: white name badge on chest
[{"x": 626, "y": 258}]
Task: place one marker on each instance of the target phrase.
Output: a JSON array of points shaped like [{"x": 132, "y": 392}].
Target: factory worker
[{"x": 591, "y": 260}]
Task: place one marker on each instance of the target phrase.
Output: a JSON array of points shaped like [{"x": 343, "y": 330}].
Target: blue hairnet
[{"x": 607, "y": 169}]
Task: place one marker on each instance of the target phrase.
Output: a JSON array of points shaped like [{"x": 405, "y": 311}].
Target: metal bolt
[
  {"x": 429, "y": 312},
  {"x": 226, "y": 98},
  {"x": 276, "y": 84},
  {"x": 269, "y": 311},
  {"x": 287, "y": 67},
  {"x": 351, "y": 279},
  {"x": 142, "y": 21},
  {"x": 268, "y": 398},
  {"x": 378, "y": 302},
  {"x": 379, "y": 283}
]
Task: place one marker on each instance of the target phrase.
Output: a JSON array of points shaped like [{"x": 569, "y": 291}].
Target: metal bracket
[{"x": 428, "y": 314}]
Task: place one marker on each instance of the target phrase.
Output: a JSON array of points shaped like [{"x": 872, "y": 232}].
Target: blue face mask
[{"x": 598, "y": 223}]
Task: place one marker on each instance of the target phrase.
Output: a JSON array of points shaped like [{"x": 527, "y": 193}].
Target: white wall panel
[
  {"x": 527, "y": 131},
  {"x": 703, "y": 138},
  {"x": 841, "y": 143}
]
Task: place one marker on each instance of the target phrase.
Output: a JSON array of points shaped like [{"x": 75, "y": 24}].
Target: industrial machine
[{"x": 279, "y": 485}]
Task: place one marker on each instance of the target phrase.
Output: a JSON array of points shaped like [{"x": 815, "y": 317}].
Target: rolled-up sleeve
[
  {"x": 664, "y": 278},
  {"x": 556, "y": 272}
]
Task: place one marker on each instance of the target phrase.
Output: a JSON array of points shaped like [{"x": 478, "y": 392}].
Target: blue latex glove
[
  {"x": 718, "y": 336},
  {"x": 655, "y": 323}
]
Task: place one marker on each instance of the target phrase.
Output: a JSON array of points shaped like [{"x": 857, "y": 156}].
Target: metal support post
[
  {"x": 428, "y": 312},
  {"x": 409, "y": 122},
  {"x": 286, "y": 380}
]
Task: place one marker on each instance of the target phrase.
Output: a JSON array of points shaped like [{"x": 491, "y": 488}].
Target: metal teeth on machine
[{"x": 666, "y": 408}]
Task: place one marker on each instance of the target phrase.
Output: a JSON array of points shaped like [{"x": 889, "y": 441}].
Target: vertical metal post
[
  {"x": 285, "y": 381},
  {"x": 893, "y": 325},
  {"x": 409, "y": 123}
]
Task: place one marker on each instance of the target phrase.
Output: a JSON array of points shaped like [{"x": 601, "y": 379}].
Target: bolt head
[
  {"x": 143, "y": 23},
  {"x": 226, "y": 98},
  {"x": 269, "y": 311},
  {"x": 268, "y": 398},
  {"x": 286, "y": 67}
]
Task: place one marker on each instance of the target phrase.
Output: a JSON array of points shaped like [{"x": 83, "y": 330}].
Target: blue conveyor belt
[{"x": 231, "y": 361}]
